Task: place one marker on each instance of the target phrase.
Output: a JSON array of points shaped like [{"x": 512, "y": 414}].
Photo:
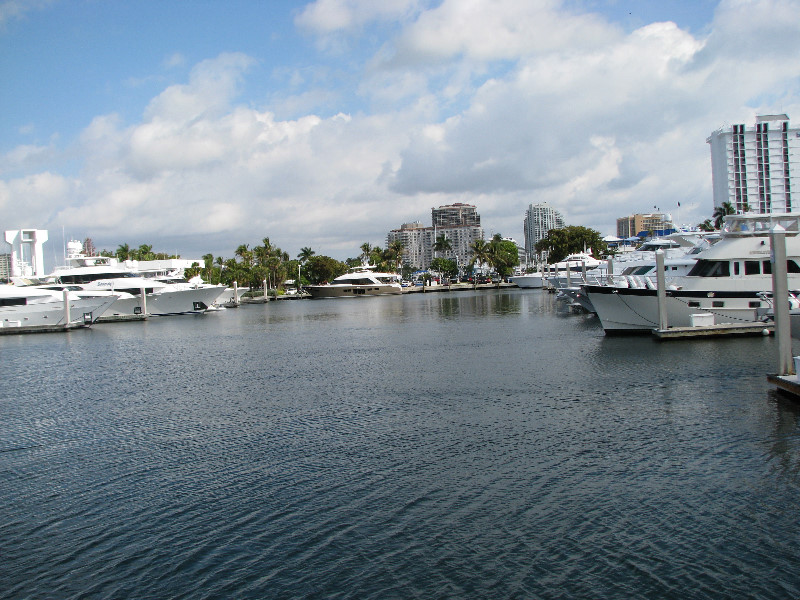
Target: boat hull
[
  {"x": 353, "y": 291},
  {"x": 529, "y": 281},
  {"x": 180, "y": 302},
  {"x": 82, "y": 311},
  {"x": 634, "y": 310}
]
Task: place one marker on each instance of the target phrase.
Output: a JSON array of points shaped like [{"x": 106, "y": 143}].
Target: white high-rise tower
[{"x": 757, "y": 168}]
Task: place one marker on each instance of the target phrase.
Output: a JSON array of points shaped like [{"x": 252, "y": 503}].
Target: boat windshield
[{"x": 80, "y": 278}]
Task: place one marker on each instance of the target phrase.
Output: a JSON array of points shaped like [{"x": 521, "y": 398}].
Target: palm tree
[
  {"x": 208, "y": 263},
  {"x": 442, "y": 244},
  {"x": 123, "y": 252},
  {"x": 243, "y": 252},
  {"x": 366, "y": 251},
  {"x": 722, "y": 211},
  {"x": 481, "y": 253},
  {"x": 706, "y": 225},
  {"x": 395, "y": 252},
  {"x": 145, "y": 252},
  {"x": 305, "y": 254}
]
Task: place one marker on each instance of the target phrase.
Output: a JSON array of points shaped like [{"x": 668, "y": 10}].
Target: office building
[{"x": 757, "y": 168}]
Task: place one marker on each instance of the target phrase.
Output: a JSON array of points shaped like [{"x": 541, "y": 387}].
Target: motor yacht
[
  {"x": 93, "y": 273},
  {"x": 359, "y": 281},
  {"x": 725, "y": 281},
  {"x": 25, "y": 309}
]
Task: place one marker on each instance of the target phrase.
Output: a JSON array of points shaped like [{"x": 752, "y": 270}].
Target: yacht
[
  {"x": 88, "y": 274},
  {"x": 725, "y": 281},
  {"x": 26, "y": 309},
  {"x": 359, "y": 281}
]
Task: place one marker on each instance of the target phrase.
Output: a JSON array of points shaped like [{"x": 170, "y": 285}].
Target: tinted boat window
[{"x": 711, "y": 268}]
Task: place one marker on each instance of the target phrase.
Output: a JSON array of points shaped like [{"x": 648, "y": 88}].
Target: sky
[{"x": 198, "y": 126}]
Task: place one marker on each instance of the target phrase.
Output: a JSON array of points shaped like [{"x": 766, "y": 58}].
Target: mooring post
[
  {"x": 66, "y": 309},
  {"x": 143, "y": 295},
  {"x": 661, "y": 290},
  {"x": 610, "y": 274},
  {"x": 780, "y": 300}
]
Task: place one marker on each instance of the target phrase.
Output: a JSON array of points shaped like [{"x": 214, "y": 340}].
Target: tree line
[{"x": 266, "y": 262}]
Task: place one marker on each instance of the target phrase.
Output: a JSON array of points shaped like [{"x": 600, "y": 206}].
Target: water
[{"x": 461, "y": 445}]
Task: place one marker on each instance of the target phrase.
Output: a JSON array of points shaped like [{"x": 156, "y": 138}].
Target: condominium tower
[
  {"x": 757, "y": 168},
  {"x": 539, "y": 219},
  {"x": 459, "y": 223}
]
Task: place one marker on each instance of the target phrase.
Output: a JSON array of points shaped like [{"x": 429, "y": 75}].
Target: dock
[
  {"x": 23, "y": 329},
  {"x": 789, "y": 384},
  {"x": 723, "y": 329}
]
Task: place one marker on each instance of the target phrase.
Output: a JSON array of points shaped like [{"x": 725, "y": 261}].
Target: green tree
[
  {"x": 503, "y": 255},
  {"x": 305, "y": 254},
  {"x": 480, "y": 252},
  {"x": 208, "y": 265},
  {"x": 722, "y": 211},
  {"x": 319, "y": 269},
  {"x": 192, "y": 271},
  {"x": 394, "y": 253},
  {"x": 145, "y": 252},
  {"x": 560, "y": 243},
  {"x": 446, "y": 266},
  {"x": 366, "y": 251},
  {"x": 442, "y": 244},
  {"x": 706, "y": 225}
]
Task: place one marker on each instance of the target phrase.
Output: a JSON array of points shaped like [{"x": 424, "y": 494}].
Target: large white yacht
[
  {"x": 724, "y": 282},
  {"x": 24, "y": 309},
  {"x": 359, "y": 281},
  {"x": 91, "y": 273}
]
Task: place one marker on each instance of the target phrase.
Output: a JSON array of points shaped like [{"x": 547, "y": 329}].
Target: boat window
[
  {"x": 752, "y": 267},
  {"x": 767, "y": 267},
  {"x": 12, "y": 302},
  {"x": 80, "y": 278},
  {"x": 792, "y": 266},
  {"x": 736, "y": 268},
  {"x": 718, "y": 303},
  {"x": 711, "y": 268},
  {"x": 642, "y": 270}
]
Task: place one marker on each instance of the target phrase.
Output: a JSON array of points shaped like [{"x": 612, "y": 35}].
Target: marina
[{"x": 485, "y": 443}]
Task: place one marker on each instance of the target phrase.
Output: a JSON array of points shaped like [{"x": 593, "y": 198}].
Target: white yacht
[
  {"x": 725, "y": 281},
  {"x": 359, "y": 281},
  {"x": 91, "y": 273},
  {"x": 25, "y": 309}
]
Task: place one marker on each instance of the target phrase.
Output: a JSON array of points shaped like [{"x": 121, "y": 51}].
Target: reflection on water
[{"x": 464, "y": 444}]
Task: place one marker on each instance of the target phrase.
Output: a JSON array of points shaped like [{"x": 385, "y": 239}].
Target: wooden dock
[{"x": 723, "y": 329}]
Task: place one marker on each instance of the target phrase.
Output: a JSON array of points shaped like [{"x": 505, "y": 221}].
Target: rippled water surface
[{"x": 461, "y": 445}]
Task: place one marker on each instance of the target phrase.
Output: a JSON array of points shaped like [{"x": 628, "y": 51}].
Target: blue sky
[{"x": 199, "y": 126}]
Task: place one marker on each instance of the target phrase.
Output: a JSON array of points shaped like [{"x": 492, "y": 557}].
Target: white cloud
[
  {"x": 327, "y": 16},
  {"x": 499, "y": 104},
  {"x": 16, "y": 9}
]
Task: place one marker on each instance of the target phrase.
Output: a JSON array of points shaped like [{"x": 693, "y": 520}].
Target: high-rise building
[
  {"x": 417, "y": 243},
  {"x": 539, "y": 219},
  {"x": 653, "y": 223},
  {"x": 459, "y": 223},
  {"x": 455, "y": 215},
  {"x": 757, "y": 168}
]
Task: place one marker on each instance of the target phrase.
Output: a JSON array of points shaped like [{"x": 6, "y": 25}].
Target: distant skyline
[{"x": 198, "y": 126}]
